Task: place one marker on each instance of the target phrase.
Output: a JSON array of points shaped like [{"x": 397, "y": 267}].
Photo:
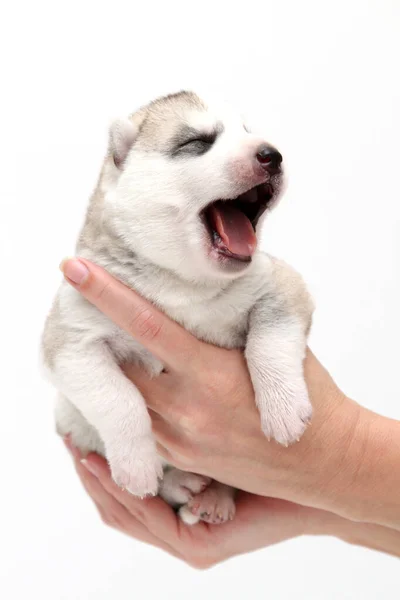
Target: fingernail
[
  {"x": 90, "y": 467},
  {"x": 74, "y": 270},
  {"x": 71, "y": 448}
]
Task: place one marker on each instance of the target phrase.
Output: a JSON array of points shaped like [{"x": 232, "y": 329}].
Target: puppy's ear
[{"x": 122, "y": 135}]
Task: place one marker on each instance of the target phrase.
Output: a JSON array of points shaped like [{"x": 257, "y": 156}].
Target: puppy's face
[{"x": 187, "y": 186}]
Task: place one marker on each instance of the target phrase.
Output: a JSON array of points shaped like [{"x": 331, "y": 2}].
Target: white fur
[{"x": 144, "y": 227}]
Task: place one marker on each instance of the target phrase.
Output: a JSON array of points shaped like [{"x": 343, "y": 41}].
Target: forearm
[
  {"x": 348, "y": 461},
  {"x": 373, "y": 474},
  {"x": 375, "y": 537},
  {"x": 352, "y": 463}
]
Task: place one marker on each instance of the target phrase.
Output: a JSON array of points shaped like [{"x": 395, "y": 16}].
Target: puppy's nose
[{"x": 270, "y": 159}]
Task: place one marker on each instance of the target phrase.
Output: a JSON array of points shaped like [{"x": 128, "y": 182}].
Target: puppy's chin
[
  {"x": 214, "y": 268},
  {"x": 229, "y": 267}
]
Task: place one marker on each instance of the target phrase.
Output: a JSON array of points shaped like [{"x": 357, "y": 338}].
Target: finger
[
  {"x": 153, "y": 513},
  {"x": 116, "y": 515},
  {"x": 170, "y": 441},
  {"x": 140, "y": 508},
  {"x": 164, "y": 338},
  {"x": 167, "y": 530},
  {"x": 112, "y": 512},
  {"x": 153, "y": 389},
  {"x": 161, "y": 395},
  {"x": 76, "y": 454},
  {"x": 169, "y": 456},
  {"x": 159, "y": 518}
]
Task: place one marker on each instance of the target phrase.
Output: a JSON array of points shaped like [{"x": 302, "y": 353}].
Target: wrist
[
  {"x": 353, "y": 461},
  {"x": 373, "y": 491},
  {"x": 324, "y": 523},
  {"x": 348, "y": 460},
  {"x": 367, "y": 535}
]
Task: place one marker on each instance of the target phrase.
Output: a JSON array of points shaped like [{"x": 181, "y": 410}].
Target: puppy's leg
[
  {"x": 178, "y": 487},
  {"x": 275, "y": 351},
  {"x": 216, "y": 504},
  {"x": 90, "y": 378},
  {"x": 70, "y": 421}
]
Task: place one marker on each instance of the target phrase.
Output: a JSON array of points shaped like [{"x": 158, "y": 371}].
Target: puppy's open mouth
[{"x": 231, "y": 223}]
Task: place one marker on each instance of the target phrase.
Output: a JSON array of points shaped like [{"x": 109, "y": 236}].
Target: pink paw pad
[{"x": 215, "y": 505}]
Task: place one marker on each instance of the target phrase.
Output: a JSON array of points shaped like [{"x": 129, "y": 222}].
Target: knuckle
[
  {"x": 200, "y": 562},
  {"x": 194, "y": 421},
  {"x": 213, "y": 386},
  {"x": 102, "y": 292},
  {"x": 144, "y": 324},
  {"x": 196, "y": 361},
  {"x": 192, "y": 355},
  {"x": 184, "y": 462},
  {"x": 139, "y": 513},
  {"x": 109, "y": 520},
  {"x": 102, "y": 515},
  {"x": 182, "y": 457}
]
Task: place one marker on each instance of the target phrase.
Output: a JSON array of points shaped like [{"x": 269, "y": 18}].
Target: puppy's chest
[
  {"x": 219, "y": 317},
  {"x": 220, "y": 322}
]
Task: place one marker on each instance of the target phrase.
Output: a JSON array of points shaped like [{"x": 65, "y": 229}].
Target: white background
[{"x": 322, "y": 79}]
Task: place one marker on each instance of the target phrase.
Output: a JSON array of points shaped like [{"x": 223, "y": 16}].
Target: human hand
[
  {"x": 205, "y": 419},
  {"x": 259, "y": 521}
]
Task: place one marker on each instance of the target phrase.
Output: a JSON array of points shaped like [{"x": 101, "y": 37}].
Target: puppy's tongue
[{"x": 234, "y": 228}]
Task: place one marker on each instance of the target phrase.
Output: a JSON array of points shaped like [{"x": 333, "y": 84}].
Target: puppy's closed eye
[{"x": 196, "y": 146}]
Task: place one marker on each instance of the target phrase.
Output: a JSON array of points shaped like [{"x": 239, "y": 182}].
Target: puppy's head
[{"x": 186, "y": 186}]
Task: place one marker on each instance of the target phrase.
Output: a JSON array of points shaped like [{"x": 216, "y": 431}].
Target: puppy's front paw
[
  {"x": 286, "y": 413},
  {"x": 136, "y": 467}
]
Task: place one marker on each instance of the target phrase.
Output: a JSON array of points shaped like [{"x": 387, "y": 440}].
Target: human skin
[
  {"x": 205, "y": 419},
  {"x": 259, "y": 522}
]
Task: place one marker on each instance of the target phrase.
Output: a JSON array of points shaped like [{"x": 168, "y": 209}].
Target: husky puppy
[{"x": 175, "y": 215}]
